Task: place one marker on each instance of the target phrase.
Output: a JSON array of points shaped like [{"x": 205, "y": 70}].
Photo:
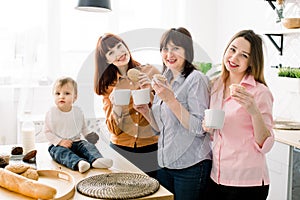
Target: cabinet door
[{"x": 278, "y": 163}]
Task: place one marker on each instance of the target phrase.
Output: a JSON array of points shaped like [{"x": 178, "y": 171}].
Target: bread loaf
[
  {"x": 17, "y": 167},
  {"x": 31, "y": 174},
  {"x": 25, "y": 186}
]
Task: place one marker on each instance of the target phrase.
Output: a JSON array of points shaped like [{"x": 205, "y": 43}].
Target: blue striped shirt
[{"x": 178, "y": 147}]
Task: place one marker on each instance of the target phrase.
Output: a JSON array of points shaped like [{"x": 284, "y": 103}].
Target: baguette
[{"x": 25, "y": 186}]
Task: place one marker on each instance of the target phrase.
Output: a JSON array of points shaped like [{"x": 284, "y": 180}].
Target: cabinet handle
[{"x": 296, "y": 149}]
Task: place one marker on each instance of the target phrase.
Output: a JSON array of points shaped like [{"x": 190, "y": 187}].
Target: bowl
[{"x": 291, "y": 23}]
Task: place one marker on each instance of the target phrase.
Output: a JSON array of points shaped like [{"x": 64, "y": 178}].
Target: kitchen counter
[
  {"x": 283, "y": 164},
  {"x": 44, "y": 161},
  {"x": 289, "y": 137}
]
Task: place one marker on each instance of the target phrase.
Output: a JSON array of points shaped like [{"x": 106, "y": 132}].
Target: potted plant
[
  {"x": 204, "y": 67},
  {"x": 291, "y": 78}
]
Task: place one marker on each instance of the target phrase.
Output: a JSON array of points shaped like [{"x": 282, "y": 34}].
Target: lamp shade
[{"x": 94, "y": 5}]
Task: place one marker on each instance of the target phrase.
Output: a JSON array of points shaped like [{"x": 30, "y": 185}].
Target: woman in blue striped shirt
[{"x": 184, "y": 150}]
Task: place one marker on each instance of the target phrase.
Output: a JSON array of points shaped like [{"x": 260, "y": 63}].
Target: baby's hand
[{"x": 65, "y": 143}]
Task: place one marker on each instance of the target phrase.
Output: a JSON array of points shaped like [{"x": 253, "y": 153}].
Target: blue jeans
[
  {"x": 186, "y": 184},
  {"x": 145, "y": 158},
  {"x": 80, "y": 150}
]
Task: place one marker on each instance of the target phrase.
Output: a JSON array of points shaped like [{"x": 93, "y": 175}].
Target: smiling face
[
  {"x": 118, "y": 55},
  {"x": 64, "y": 96},
  {"x": 236, "y": 57},
  {"x": 173, "y": 56}
]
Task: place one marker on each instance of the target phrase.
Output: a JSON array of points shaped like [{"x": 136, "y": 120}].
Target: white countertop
[{"x": 290, "y": 137}]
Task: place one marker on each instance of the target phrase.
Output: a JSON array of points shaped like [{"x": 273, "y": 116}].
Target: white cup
[
  {"x": 121, "y": 97},
  {"x": 141, "y": 96},
  {"x": 214, "y": 118}
]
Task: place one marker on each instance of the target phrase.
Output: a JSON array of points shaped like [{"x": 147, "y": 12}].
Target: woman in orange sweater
[{"x": 131, "y": 134}]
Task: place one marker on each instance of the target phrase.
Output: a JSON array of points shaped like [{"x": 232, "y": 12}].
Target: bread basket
[{"x": 291, "y": 23}]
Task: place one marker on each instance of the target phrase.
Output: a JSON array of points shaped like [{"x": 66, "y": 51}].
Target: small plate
[{"x": 63, "y": 182}]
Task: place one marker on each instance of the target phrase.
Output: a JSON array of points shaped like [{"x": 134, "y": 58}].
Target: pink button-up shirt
[{"x": 237, "y": 158}]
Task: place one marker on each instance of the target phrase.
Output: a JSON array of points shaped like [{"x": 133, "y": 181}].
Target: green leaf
[
  {"x": 289, "y": 72},
  {"x": 203, "y": 66}
]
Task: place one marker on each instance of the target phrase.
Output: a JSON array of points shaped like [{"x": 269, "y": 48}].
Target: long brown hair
[
  {"x": 180, "y": 37},
  {"x": 256, "y": 59},
  {"x": 105, "y": 73}
]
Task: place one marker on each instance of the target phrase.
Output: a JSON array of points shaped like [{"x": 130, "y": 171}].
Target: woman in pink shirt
[{"x": 239, "y": 165}]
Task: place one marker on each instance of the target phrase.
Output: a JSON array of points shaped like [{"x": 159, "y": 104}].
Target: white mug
[
  {"x": 121, "y": 96},
  {"x": 214, "y": 118},
  {"x": 141, "y": 96}
]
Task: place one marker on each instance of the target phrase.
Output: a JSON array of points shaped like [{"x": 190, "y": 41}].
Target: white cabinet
[
  {"x": 278, "y": 160},
  {"x": 8, "y": 112}
]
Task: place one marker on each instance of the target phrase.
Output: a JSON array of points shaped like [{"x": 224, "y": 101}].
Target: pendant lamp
[{"x": 94, "y": 5}]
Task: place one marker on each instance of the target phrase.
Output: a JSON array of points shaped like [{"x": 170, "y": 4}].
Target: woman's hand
[
  {"x": 246, "y": 100},
  {"x": 143, "y": 109},
  {"x": 144, "y": 81},
  {"x": 164, "y": 91},
  {"x": 206, "y": 129}
]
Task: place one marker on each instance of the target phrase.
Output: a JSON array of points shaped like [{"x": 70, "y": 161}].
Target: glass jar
[{"x": 28, "y": 134}]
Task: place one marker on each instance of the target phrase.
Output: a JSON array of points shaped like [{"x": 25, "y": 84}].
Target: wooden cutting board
[{"x": 287, "y": 125}]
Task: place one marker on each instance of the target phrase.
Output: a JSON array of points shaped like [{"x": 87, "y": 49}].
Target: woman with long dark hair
[
  {"x": 131, "y": 134},
  {"x": 184, "y": 152}
]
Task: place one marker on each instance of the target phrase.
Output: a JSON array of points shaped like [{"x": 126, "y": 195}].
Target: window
[{"x": 49, "y": 38}]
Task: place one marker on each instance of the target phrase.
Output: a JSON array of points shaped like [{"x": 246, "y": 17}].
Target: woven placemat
[{"x": 118, "y": 186}]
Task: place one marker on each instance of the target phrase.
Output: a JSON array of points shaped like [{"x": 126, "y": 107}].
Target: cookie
[
  {"x": 29, "y": 156},
  {"x": 17, "y": 151},
  {"x": 5, "y": 156},
  {"x": 31, "y": 174},
  {"x": 17, "y": 167},
  {"x": 133, "y": 74},
  {"x": 159, "y": 77},
  {"x": 3, "y": 162}
]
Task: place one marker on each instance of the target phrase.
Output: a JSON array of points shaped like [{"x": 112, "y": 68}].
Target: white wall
[
  {"x": 69, "y": 36},
  {"x": 225, "y": 18}
]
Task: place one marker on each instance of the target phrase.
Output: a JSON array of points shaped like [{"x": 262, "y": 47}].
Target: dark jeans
[
  {"x": 217, "y": 192},
  {"x": 145, "y": 158},
  {"x": 81, "y": 150},
  {"x": 186, "y": 184}
]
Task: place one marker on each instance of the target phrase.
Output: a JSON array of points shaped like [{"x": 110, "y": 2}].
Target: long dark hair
[
  {"x": 180, "y": 37},
  {"x": 256, "y": 59},
  {"x": 105, "y": 73}
]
